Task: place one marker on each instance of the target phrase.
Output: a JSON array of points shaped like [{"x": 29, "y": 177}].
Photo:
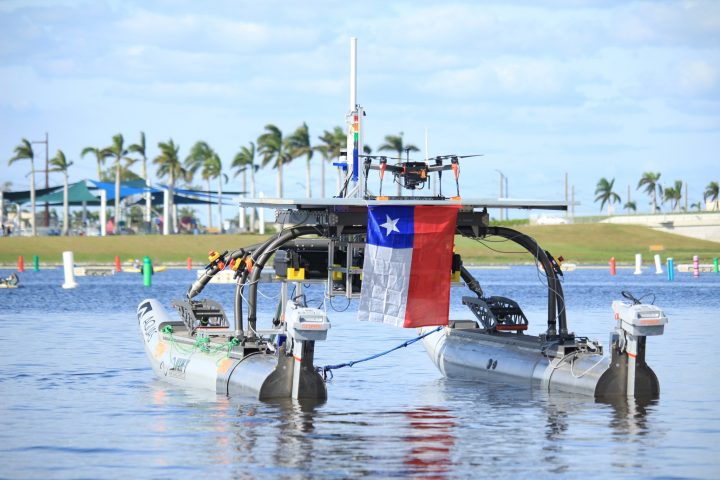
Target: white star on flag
[{"x": 390, "y": 225}]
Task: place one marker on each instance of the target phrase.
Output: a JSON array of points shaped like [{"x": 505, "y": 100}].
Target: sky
[{"x": 540, "y": 88}]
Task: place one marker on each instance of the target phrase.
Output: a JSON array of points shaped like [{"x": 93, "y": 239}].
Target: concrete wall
[{"x": 705, "y": 226}]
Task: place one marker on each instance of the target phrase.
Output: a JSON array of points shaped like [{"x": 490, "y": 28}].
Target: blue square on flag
[
  {"x": 406, "y": 271},
  {"x": 391, "y": 227}
]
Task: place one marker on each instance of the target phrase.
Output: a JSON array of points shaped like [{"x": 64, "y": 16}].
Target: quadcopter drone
[{"x": 414, "y": 175}]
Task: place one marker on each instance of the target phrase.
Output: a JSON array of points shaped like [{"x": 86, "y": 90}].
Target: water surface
[{"x": 79, "y": 399}]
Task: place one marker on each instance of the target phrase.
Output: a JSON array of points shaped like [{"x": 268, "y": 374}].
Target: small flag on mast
[{"x": 406, "y": 271}]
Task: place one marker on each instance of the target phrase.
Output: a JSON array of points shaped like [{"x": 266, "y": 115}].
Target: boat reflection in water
[{"x": 458, "y": 428}]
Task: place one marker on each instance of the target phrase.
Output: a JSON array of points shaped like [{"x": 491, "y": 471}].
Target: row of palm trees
[
  {"x": 650, "y": 184},
  {"x": 272, "y": 148}
]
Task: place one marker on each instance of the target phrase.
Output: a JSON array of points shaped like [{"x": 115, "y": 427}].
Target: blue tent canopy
[
  {"x": 24, "y": 195},
  {"x": 126, "y": 189},
  {"x": 157, "y": 199},
  {"x": 80, "y": 192},
  {"x": 77, "y": 194}
]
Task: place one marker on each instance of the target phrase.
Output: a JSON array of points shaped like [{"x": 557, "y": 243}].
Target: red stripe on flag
[{"x": 428, "y": 300}]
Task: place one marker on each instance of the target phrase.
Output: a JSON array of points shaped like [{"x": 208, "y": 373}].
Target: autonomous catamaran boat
[
  {"x": 335, "y": 243},
  {"x": 200, "y": 347}
]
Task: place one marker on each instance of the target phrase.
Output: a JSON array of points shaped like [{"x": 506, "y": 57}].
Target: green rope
[{"x": 202, "y": 344}]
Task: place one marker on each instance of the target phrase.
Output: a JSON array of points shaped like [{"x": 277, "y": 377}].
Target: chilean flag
[{"x": 408, "y": 261}]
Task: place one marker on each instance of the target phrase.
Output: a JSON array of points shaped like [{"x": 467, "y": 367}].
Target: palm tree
[
  {"x": 271, "y": 145},
  {"x": 630, "y": 206},
  {"x": 213, "y": 169},
  {"x": 205, "y": 159},
  {"x": 697, "y": 206},
  {"x": 126, "y": 174},
  {"x": 60, "y": 164},
  {"x": 140, "y": 149},
  {"x": 394, "y": 143},
  {"x": 299, "y": 145},
  {"x": 245, "y": 160},
  {"x": 24, "y": 151},
  {"x": 101, "y": 154},
  {"x": 118, "y": 152},
  {"x": 605, "y": 194},
  {"x": 712, "y": 192},
  {"x": 200, "y": 153},
  {"x": 169, "y": 165},
  {"x": 650, "y": 181},
  {"x": 333, "y": 142},
  {"x": 673, "y": 194}
]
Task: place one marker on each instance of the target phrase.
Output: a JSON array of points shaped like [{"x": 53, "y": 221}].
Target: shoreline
[
  {"x": 585, "y": 245},
  {"x": 199, "y": 266}
]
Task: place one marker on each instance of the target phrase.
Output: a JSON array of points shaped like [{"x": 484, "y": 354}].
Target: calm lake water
[{"x": 79, "y": 399}]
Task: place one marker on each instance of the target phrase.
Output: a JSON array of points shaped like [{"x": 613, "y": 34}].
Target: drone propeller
[
  {"x": 375, "y": 157},
  {"x": 440, "y": 158}
]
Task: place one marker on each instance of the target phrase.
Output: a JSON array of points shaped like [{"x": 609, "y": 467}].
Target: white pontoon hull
[{"x": 510, "y": 358}]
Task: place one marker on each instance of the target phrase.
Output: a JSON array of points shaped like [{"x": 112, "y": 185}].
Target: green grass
[
  {"x": 172, "y": 248},
  {"x": 584, "y": 244},
  {"x": 592, "y": 244}
]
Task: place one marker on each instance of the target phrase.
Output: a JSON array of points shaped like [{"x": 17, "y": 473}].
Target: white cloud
[
  {"x": 210, "y": 33},
  {"x": 563, "y": 84},
  {"x": 502, "y": 76},
  {"x": 697, "y": 77}
]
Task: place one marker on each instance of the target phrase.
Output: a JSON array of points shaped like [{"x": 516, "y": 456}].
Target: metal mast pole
[
  {"x": 567, "y": 212},
  {"x": 47, "y": 184},
  {"x": 507, "y": 195},
  {"x": 628, "y": 201},
  {"x": 47, "y": 180},
  {"x": 502, "y": 184},
  {"x": 355, "y": 130},
  {"x": 353, "y": 73}
]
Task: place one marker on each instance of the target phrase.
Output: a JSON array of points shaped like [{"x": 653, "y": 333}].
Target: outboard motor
[
  {"x": 305, "y": 326},
  {"x": 629, "y": 375}
]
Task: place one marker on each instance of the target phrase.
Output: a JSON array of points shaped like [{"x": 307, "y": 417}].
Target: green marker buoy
[
  {"x": 147, "y": 271},
  {"x": 715, "y": 263},
  {"x": 36, "y": 263}
]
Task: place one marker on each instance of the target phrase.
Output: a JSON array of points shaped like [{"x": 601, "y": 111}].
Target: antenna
[
  {"x": 353, "y": 73},
  {"x": 354, "y": 132}
]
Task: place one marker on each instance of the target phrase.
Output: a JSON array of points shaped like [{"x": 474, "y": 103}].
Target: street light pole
[
  {"x": 502, "y": 184},
  {"x": 507, "y": 195},
  {"x": 47, "y": 180}
]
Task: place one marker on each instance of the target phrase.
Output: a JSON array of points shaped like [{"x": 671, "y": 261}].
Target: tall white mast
[
  {"x": 354, "y": 132},
  {"x": 353, "y": 73}
]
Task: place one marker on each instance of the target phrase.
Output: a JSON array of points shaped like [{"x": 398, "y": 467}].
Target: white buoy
[
  {"x": 658, "y": 265},
  {"x": 68, "y": 264},
  {"x": 638, "y": 264}
]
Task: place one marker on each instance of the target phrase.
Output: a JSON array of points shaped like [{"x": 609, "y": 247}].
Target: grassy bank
[
  {"x": 593, "y": 244},
  {"x": 172, "y": 248},
  {"x": 584, "y": 244}
]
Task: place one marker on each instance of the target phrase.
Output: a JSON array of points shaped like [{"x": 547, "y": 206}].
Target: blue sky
[{"x": 592, "y": 88}]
